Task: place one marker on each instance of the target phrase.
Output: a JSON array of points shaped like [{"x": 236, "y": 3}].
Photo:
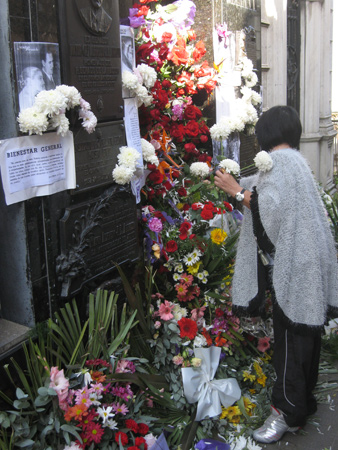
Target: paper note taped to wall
[{"x": 33, "y": 166}]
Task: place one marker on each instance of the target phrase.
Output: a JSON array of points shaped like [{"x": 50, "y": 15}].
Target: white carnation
[
  {"x": 32, "y": 121},
  {"x": 72, "y": 95},
  {"x": 143, "y": 96},
  {"x": 263, "y": 161},
  {"x": 129, "y": 80},
  {"x": 251, "y": 80},
  {"x": 148, "y": 74},
  {"x": 199, "y": 169},
  {"x": 148, "y": 152},
  {"x": 50, "y": 102},
  {"x": 89, "y": 120},
  {"x": 122, "y": 174},
  {"x": 200, "y": 341},
  {"x": 128, "y": 157},
  {"x": 251, "y": 96},
  {"x": 221, "y": 130},
  {"x": 230, "y": 166},
  {"x": 61, "y": 123},
  {"x": 246, "y": 66}
]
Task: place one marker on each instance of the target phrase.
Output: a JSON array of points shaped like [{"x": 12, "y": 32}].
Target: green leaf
[
  {"x": 20, "y": 394},
  {"x": 71, "y": 430},
  {"x": 21, "y": 404},
  {"x": 24, "y": 443}
]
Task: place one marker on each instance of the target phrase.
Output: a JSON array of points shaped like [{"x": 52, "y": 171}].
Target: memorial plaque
[
  {"x": 93, "y": 234},
  {"x": 90, "y": 53},
  {"x": 96, "y": 154}
]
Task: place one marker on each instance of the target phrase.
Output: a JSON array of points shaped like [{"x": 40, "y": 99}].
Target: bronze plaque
[
  {"x": 95, "y": 234},
  {"x": 90, "y": 53},
  {"x": 96, "y": 154}
]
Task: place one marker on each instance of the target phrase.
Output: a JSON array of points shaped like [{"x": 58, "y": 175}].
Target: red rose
[
  {"x": 189, "y": 147},
  {"x": 156, "y": 177},
  {"x": 204, "y": 157},
  {"x": 192, "y": 112},
  {"x": 161, "y": 98},
  {"x": 188, "y": 328},
  {"x": 192, "y": 129},
  {"x": 177, "y": 131},
  {"x": 132, "y": 425},
  {"x": 207, "y": 212},
  {"x": 166, "y": 84},
  {"x": 204, "y": 138},
  {"x": 228, "y": 206},
  {"x": 121, "y": 436},
  {"x": 171, "y": 246},
  {"x": 185, "y": 226},
  {"x": 182, "y": 192},
  {"x": 143, "y": 429}
]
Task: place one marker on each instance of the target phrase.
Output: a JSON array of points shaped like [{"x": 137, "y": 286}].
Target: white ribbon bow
[{"x": 199, "y": 385}]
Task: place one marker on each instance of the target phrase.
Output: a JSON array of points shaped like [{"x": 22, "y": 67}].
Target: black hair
[{"x": 278, "y": 125}]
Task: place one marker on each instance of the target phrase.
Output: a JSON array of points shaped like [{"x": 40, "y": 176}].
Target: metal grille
[{"x": 293, "y": 48}]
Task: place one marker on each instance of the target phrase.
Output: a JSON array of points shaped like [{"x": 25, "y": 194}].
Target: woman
[
  {"x": 285, "y": 222},
  {"x": 31, "y": 81}
]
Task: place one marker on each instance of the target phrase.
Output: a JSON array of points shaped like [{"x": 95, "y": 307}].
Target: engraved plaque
[
  {"x": 93, "y": 234},
  {"x": 90, "y": 53},
  {"x": 96, "y": 154}
]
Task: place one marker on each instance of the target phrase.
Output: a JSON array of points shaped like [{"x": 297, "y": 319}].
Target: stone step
[{"x": 11, "y": 335}]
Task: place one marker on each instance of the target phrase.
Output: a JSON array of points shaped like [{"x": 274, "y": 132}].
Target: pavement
[{"x": 321, "y": 430}]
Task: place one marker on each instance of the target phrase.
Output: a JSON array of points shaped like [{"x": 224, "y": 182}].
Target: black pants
[{"x": 296, "y": 361}]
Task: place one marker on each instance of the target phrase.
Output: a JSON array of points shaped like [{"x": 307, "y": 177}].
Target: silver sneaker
[{"x": 273, "y": 428}]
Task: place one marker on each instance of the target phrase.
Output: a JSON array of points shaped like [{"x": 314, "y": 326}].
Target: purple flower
[
  {"x": 135, "y": 21},
  {"x": 178, "y": 111},
  {"x": 155, "y": 225}
]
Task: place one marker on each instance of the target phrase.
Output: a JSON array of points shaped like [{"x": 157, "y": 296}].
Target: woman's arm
[{"x": 229, "y": 185}]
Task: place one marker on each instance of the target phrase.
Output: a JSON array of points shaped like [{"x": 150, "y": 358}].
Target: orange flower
[
  {"x": 207, "y": 337},
  {"x": 98, "y": 376},
  {"x": 199, "y": 51},
  {"x": 220, "y": 341},
  {"x": 76, "y": 412},
  {"x": 179, "y": 54}
]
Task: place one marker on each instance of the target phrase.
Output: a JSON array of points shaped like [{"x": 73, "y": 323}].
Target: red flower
[
  {"x": 192, "y": 128},
  {"x": 132, "y": 425},
  {"x": 182, "y": 192},
  {"x": 219, "y": 312},
  {"x": 207, "y": 337},
  {"x": 220, "y": 341},
  {"x": 166, "y": 84},
  {"x": 203, "y": 70},
  {"x": 167, "y": 37},
  {"x": 94, "y": 432},
  {"x": 204, "y": 138},
  {"x": 188, "y": 328},
  {"x": 171, "y": 246},
  {"x": 199, "y": 51},
  {"x": 133, "y": 447},
  {"x": 143, "y": 11},
  {"x": 156, "y": 177},
  {"x": 192, "y": 112},
  {"x": 228, "y": 206},
  {"x": 177, "y": 131},
  {"x": 207, "y": 212},
  {"x": 191, "y": 35},
  {"x": 143, "y": 429},
  {"x": 121, "y": 436},
  {"x": 139, "y": 441}
]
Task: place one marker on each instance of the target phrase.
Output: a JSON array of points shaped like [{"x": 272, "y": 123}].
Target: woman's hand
[{"x": 226, "y": 183}]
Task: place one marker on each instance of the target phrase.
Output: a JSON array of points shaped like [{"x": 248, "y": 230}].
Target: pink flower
[
  {"x": 59, "y": 383},
  {"x": 263, "y": 344},
  {"x": 89, "y": 120},
  {"x": 165, "y": 310},
  {"x": 157, "y": 324},
  {"x": 125, "y": 366},
  {"x": 122, "y": 409},
  {"x": 178, "y": 360},
  {"x": 155, "y": 225},
  {"x": 197, "y": 313}
]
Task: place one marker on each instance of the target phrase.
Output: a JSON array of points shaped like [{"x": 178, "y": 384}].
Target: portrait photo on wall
[
  {"x": 127, "y": 48},
  {"x": 96, "y": 15},
  {"x": 37, "y": 67}
]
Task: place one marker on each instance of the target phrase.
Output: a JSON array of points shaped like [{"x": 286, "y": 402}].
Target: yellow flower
[
  {"x": 252, "y": 391},
  {"x": 258, "y": 368},
  {"x": 232, "y": 414},
  {"x": 261, "y": 380},
  {"x": 218, "y": 236},
  {"x": 247, "y": 376},
  {"x": 193, "y": 270},
  {"x": 249, "y": 406},
  {"x": 157, "y": 250},
  {"x": 179, "y": 206}
]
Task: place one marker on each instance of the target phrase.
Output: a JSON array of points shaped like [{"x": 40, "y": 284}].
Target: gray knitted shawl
[{"x": 305, "y": 272}]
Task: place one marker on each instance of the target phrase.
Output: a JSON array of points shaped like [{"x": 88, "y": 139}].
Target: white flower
[
  {"x": 199, "y": 169},
  {"x": 221, "y": 130},
  {"x": 89, "y": 120},
  {"x": 128, "y": 157},
  {"x": 32, "y": 121},
  {"x": 122, "y": 174},
  {"x": 105, "y": 413},
  {"x": 190, "y": 259},
  {"x": 50, "y": 102},
  {"x": 61, "y": 123},
  {"x": 84, "y": 104},
  {"x": 112, "y": 424},
  {"x": 249, "y": 95},
  {"x": 142, "y": 96},
  {"x": 230, "y": 166},
  {"x": 72, "y": 95},
  {"x": 239, "y": 443},
  {"x": 72, "y": 446},
  {"x": 179, "y": 312},
  {"x": 200, "y": 341},
  {"x": 148, "y": 75},
  {"x": 129, "y": 80},
  {"x": 251, "y": 80},
  {"x": 252, "y": 445},
  {"x": 148, "y": 152},
  {"x": 150, "y": 439},
  {"x": 246, "y": 66},
  {"x": 176, "y": 276},
  {"x": 263, "y": 161}
]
